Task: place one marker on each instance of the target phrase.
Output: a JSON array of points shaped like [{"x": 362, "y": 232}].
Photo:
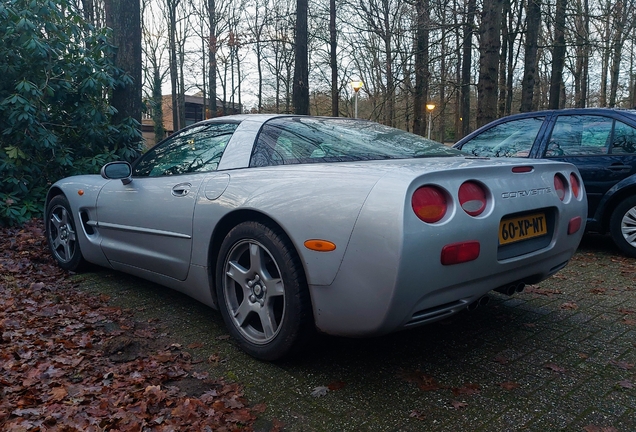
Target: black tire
[
  {"x": 262, "y": 292},
  {"x": 623, "y": 226},
  {"x": 61, "y": 234}
]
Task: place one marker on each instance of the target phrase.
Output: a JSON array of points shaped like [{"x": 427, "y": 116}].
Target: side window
[
  {"x": 511, "y": 139},
  {"x": 279, "y": 146},
  {"x": 197, "y": 149},
  {"x": 624, "y": 141},
  {"x": 580, "y": 136}
]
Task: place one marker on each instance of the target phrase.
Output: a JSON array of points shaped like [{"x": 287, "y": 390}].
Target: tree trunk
[
  {"x": 489, "y": 61},
  {"x": 212, "y": 106},
  {"x": 582, "y": 42},
  {"x": 471, "y": 9},
  {"x": 505, "y": 40},
  {"x": 172, "y": 56},
  {"x": 124, "y": 17},
  {"x": 421, "y": 67},
  {"x": 533, "y": 20},
  {"x": 620, "y": 18},
  {"x": 157, "y": 108},
  {"x": 300, "y": 90},
  {"x": 558, "y": 55},
  {"x": 333, "y": 59}
]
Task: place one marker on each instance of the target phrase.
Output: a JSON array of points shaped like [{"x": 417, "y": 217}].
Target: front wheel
[
  {"x": 61, "y": 234},
  {"x": 262, "y": 292},
  {"x": 623, "y": 226}
]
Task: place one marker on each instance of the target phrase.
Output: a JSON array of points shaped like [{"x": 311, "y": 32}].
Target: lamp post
[
  {"x": 357, "y": 85},
  {"x": 430, "y": 107}
]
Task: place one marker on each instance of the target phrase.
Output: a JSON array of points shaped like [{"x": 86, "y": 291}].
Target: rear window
[{"x": 296, "y": 140}]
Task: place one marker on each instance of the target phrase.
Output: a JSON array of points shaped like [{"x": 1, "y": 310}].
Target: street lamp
[
  {"x": 430, "y": 107},
  {"x": 357, "y": 85}
]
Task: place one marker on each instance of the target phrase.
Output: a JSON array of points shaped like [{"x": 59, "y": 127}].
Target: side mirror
[{"x": 117, "y": 170}]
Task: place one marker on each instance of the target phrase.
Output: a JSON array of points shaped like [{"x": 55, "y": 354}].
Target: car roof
[
  {"x": 629, "y": 113},
  {"x": 623, "y": 111}
]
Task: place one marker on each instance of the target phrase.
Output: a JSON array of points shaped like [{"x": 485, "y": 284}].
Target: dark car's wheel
[
  {"x": 62, "y": 234},
  {"x": 623, "y": 226},
  {"x": 262, "y": 292}
]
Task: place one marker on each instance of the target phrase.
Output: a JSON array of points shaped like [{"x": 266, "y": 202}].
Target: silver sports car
[{"x": 288, "y": 224}]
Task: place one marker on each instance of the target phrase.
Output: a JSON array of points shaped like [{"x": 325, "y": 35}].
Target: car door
[
  {"x": 602, "y": 148},
  {"x": 147, "y": 223}
]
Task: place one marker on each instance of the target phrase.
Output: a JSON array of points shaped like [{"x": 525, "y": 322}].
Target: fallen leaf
[
  {"x": 555, "y": 368},
  {"x": 509, "y": 385},
  {"x": 598, "y": 290},
  {"x": 200, "y": 375},
  {"x": 195, "y": 345},
  {"x": 592, "y": 428},
  {"x": 320, "y": 391},
  {"x": 569, "y": 306},
  {"x": 58, "y": 393},
  {"x": 417, "y": 415},
  {"x": 626, "y": 384},
  {"x": 259, "y": 408},
  {"x": 541, "y": 291},
  {"x": 467, "y": 389},
  {"x": 336, "y": 385},
  {"x": 423, "y": 381},
  {"x": 622, "y": 364},
  {"x": 458, "y": 405}
]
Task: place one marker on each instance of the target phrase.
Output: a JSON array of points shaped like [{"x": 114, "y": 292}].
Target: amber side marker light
[
  {"x": 320, "y": 245},
  {"x": 80, "y": 192}
]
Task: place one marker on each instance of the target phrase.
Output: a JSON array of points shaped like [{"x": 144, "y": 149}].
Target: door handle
[
  {"x": 181, "y": 189},
  {"x": 619, "y": 167}
]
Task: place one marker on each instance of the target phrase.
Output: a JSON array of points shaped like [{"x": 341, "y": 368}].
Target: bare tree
[
  {"x": 490, "y": 44},
  {"x": 533, "y": 20},
  {"x": 420, "y": 98},
  {"x": 558, "y": 55},
  {"x": 301, "y": 67},
  {"x": 471, "y": 9},
  {"x": 124, "y": 18}
]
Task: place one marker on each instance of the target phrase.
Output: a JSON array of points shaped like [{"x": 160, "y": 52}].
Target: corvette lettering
[{"x": 525, "y": 193}]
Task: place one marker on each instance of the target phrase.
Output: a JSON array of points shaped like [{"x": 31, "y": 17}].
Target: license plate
[{"x": 522, "y": 228}]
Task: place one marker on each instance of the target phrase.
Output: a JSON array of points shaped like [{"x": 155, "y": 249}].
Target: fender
[{"x": 626, "y": 186}]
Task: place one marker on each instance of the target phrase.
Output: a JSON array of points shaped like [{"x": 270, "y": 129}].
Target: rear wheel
[
  {"x": 623, "y": 226},
  {"x": 61, "y": 234},
  {"x": 262, "y": 292}
]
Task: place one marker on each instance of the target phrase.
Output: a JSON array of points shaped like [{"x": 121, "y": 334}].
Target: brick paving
[{"x": 559, "y": 356}]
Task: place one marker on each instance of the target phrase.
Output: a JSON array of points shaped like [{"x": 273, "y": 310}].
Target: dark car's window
[
  {"x": 294, "y": 140},
  {"x": 196, "y": 149},
  {"x": 624, "y": 140},
  {"x": 580, "y": 135},
  {"x": 511, "y": 139}
]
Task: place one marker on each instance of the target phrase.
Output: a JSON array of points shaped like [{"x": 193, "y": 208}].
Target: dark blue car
[{"x": 600, "y": 142}]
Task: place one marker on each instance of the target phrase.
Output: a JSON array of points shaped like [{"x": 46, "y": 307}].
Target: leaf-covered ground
[{"x": 69, "y": 362}]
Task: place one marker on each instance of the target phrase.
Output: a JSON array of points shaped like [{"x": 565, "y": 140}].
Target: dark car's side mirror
[{"x": 117, "y": 170}]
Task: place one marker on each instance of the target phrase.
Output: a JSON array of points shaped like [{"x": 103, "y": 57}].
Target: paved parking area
[{"x": 559, "y": 356}]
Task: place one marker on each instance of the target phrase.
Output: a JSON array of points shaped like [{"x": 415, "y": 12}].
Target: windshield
[{"x": 294, "y": 140}]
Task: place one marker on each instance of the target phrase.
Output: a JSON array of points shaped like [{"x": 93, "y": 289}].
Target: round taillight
[
  {"x": 576, "y": 185},
  {"x": 559, "y": 186},
  {"x": 472, "y": 198},
  {"x": 429, "y": 203}
]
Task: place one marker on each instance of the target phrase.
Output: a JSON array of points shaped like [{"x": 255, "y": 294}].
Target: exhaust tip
[
  {"x": 483, "y": 301},
  {"x": 520, "y": 287}
]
